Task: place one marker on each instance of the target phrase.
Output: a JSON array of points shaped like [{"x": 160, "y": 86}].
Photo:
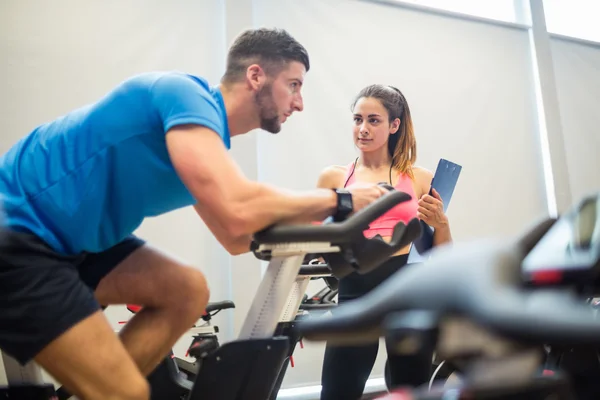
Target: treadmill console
[{"x": 569, "y": 253}]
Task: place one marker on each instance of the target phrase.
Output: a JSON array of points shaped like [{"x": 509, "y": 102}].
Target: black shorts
[{"x": 44, "y": 293}]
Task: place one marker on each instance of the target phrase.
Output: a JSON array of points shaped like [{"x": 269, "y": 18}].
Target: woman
[{"x": 383, "y": 132}]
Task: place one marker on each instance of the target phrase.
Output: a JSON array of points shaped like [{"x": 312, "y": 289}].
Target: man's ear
[
  {"x": 255, "y": 77},
  {"x": 395, "y": 126}
]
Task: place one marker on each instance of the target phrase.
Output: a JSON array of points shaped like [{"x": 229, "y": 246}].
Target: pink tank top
[{"x": 404, "y": 212}]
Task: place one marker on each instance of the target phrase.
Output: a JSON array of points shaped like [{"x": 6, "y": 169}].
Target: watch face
[{"x": 346, "y": 202}]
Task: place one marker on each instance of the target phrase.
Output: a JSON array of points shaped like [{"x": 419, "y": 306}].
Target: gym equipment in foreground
[
  {"x": 173, "y": 378},
  {"x": 251, "y": 365},
  {"x": 491, "y": 304}
]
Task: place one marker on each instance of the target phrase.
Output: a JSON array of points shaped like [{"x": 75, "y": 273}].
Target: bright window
[
  {"x": 501, "y": 10},
  {"x": 576, "y": 18}
]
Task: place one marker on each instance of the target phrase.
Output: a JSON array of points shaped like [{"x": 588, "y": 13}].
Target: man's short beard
[{"x": 268, "y": 113}]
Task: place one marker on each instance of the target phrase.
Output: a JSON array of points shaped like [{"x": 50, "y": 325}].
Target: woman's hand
[{"x": 431, "y": 210}]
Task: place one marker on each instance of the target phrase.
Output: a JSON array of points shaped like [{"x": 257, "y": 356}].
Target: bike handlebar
[
  {"x": 480, "y": 280},
  {"x": 315, "y": 270},
  {"x": 336, "y": 233},
  {"x": 357, "y": 253},
  {"x": 317, "y": 307}
]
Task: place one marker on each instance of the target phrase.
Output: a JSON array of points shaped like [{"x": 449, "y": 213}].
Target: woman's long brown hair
[{"x": 402, "y": 145}]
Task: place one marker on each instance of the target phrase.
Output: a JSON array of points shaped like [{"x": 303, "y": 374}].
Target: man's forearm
[
  {"x": 233, "y": 223},
  {"x": 284, "y": 207},
  {"x": 269, "y": 206},
  {"x": 240, "y": 245}
]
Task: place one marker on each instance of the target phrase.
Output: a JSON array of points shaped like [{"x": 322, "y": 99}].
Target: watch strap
[{"x": 344, "y": 205}]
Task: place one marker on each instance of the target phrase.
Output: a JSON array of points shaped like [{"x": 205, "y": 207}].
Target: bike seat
[
  {"x": 211, "y": 307},
  {"x": 219, "y": 305}
]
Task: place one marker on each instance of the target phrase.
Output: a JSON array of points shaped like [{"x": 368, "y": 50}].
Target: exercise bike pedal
[{"x": 40, "y": 392}]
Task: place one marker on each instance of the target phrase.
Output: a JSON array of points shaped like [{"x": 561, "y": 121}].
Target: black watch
[{"x": 344, "y": 205}]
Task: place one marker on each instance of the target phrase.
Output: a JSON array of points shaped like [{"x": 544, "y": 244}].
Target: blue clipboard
[{"x": 444, "y": 182}]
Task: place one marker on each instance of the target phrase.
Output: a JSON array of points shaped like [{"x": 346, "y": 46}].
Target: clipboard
[{"x": 444, "y": 182}]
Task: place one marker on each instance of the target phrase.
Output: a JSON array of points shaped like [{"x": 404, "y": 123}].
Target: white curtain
[
  {"x": 470, "y": 89},
  {"x": 577, "y": 71}
]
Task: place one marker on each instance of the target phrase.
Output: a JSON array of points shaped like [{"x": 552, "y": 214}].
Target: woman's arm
[
  {"x": 431, "y": 207},
  {"x": 331, "y": 177},
  {"x": 442, "y": 234}
]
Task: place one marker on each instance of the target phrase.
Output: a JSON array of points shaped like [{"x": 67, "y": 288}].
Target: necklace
[{"x": 354, "y": 168}]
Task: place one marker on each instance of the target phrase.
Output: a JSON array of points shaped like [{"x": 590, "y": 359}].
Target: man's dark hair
[{"x": 272, "y": 49}]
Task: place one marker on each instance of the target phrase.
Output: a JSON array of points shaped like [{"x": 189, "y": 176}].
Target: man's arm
[
  {"x": 234, "y": 245},
  {"x": 232, "y": 206}
]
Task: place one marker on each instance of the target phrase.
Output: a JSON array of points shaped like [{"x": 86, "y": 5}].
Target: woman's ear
[{"x": 395, "y": 125}]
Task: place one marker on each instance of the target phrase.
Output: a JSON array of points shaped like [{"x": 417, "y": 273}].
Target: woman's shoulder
[
  {"x": 422, "y": 173},
  {"x": 332, "y": 176},
  {"x": 423, "y": 178}
]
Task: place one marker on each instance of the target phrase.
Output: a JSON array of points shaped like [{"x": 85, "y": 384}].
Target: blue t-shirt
[{"x": 87, "y": 180}]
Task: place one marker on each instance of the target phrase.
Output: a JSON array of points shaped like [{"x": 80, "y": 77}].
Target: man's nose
[{"x": 298, "y": 104}]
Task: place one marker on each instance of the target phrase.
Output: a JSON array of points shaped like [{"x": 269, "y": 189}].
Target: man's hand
[{"x": 364, "y": 194}]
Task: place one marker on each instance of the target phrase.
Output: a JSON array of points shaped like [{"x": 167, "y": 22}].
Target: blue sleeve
[{"x": 180, "y": 99}]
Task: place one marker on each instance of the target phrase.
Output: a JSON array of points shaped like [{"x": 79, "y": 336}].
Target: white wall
[
  {"x": 577, "y": 70},
  {"x": 469, "y": 85}
]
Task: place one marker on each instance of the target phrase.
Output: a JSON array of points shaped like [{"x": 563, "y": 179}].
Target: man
[{"x": 76, "y": 188}]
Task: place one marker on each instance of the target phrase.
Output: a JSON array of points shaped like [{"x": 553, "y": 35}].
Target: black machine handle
[
  {"x": 317, "y": 307},
  {"x": 482, "y": 281},
  {"x": 328, "y": 298},
  {"x": 357, "y": 253},
  {"x": 338, "y": 232},
  {"x": 364, "y": 255},
  {"x": 314, "y": 270}
]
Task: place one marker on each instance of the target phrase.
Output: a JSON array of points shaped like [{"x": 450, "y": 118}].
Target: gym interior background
[{"x": 509, "y": 89}]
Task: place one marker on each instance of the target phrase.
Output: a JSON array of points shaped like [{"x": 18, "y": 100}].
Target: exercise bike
[
  {"x": 581, "y": 364},
  {"x": 173, "y": 378},
  {"x": 495, "y": 306},
  {"x": 253, "y": 365},
  {"x": 249, "y": 367}
]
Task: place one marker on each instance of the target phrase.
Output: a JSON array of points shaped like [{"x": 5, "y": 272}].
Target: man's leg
[
  {"x": 51, "y": 316},
  {"x": 91, "y": 362},
  {"x": 173, "y": 297}
]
